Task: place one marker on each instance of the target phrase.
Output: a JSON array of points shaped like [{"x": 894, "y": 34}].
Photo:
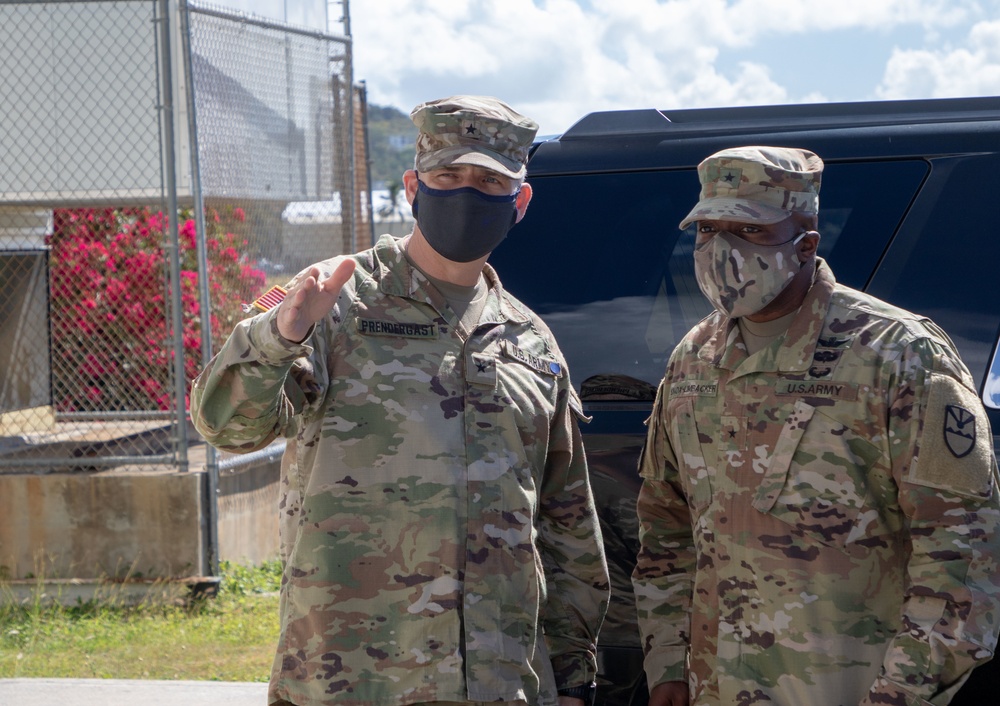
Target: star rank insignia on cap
[{"x": 266, "y": 301}]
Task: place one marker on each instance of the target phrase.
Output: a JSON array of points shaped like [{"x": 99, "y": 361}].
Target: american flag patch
[{"x": 268, "y": 300}]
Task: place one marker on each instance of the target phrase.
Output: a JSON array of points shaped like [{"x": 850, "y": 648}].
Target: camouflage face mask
[{"x": 739, "y": 277}]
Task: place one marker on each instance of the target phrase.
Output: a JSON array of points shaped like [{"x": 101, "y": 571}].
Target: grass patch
[{"x": 231, "y": 637}]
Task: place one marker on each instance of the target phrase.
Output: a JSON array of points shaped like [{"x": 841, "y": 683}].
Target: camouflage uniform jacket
[
  {"x": 818, "y": 521},
  {"x": 440, "y": 532}
]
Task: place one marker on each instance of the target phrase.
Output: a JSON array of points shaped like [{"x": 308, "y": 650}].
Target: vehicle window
[
  {"x": 943, "y": 262},
  {"x": 991, "y": 391},
  {"x": 600, "y": 258}
]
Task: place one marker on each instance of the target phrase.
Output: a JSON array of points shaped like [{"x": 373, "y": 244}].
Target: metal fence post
[
  {"x": 369, "y": 206},
  {"x": 211, "y": 519},
  {"x": 172, "y": 238}
]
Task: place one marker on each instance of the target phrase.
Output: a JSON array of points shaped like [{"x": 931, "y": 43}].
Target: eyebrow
[{"x": 455, "y": 168}]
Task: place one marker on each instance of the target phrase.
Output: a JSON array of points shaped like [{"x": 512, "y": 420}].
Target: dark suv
[{"x": 910, "y": 193}]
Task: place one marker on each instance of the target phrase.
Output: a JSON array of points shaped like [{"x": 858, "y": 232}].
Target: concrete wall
[
  {"x": 137, "y": 522},
  {"x": 248, "y": 514},
  {"x": 84, "y": 525}
]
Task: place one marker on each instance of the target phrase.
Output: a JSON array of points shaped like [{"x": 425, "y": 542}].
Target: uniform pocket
[
  {"x": 695, "y": 470},
  {"x": 828, "y": 482}
]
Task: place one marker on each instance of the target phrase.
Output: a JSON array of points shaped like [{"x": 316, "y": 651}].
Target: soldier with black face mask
[{"x": 440, "y": 538}]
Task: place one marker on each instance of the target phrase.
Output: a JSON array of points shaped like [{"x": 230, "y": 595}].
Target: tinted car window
[
  {"x": 944, "y": 261},
  {"x": 991, "y": 391},
  {"x": 601, "y": 259}
]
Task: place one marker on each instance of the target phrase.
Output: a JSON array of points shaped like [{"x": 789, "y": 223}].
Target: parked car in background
[{"x": 908, "y": 213}]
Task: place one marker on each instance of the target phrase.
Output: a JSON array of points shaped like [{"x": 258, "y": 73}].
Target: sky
[{"x": 558, "y": 60}]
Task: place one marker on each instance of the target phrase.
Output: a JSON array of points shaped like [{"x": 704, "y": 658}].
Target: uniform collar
[{"x": 398, "y": 278}]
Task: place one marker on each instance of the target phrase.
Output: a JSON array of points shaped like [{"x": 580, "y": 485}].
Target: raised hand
[{"x": 310, "y": 300}]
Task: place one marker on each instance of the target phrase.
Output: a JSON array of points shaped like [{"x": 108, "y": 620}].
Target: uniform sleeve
[
  {"x": 664, "y": 571},
  {"x": 572, "y": 551},
  {"x": 941, "y": 449},
  {"x": 246, "y": 397}
]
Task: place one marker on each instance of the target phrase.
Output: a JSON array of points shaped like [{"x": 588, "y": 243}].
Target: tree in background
[
  {"x": 110, "y": 314},
  {"x": 392, "y": 207},
  {"x": 391, "y": 139}
]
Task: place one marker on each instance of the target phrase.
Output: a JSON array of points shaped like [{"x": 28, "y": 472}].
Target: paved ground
[{"x": 129, "y": 692}]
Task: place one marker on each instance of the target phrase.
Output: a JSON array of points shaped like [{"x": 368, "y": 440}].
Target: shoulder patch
[
  {"x": 956, "y": 447},
  {"x": 959, "y": 430}
]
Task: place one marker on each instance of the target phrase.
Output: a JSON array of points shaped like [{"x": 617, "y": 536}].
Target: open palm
[{"x": 310, "y": 300}]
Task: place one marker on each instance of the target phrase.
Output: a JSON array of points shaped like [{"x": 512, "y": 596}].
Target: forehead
[
  {"x": 468, "y": 169},
  {"x": 733, "y": 225}
]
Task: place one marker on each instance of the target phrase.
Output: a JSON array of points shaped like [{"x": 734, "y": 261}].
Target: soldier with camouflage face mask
[
  {"x": 819, "y": 509},
  {"x": 439, "y": 533}
]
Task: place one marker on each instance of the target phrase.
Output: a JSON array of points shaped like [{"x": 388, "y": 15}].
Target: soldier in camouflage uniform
[
  {"x": 440, "y": 535},
  {"x": 819, "y": 507}
]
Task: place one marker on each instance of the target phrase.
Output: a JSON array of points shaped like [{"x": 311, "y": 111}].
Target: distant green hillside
[{"x": 391, "y": 134}]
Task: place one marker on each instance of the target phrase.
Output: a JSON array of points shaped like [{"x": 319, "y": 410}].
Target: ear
[
  {"x": 522, "y": 200},
  {"x": 410, "y": 184},
  {"x": 806, "y": 249}
]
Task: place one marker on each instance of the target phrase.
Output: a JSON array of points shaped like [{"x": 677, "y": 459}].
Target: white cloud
[
  {"x": 749, "y": 20},
  {"x": 557, "y": 60},
  {"x": 971, "y": 70}
]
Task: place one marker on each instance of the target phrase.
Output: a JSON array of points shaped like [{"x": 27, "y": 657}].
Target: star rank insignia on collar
[{"x": 266, "y": 301}]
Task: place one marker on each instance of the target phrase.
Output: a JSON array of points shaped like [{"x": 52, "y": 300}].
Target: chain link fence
[{"x": 161, "y": 164}]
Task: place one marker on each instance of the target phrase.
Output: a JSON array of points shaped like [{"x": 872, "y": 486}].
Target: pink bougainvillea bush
[{"x": 111, "y": 342}]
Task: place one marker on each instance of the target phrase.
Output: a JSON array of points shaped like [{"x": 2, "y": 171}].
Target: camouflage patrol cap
[
  {"x": 757, "y": 185},
  {"x": 478, "y": 130}
]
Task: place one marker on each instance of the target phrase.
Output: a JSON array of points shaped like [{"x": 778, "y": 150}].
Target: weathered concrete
[
  {"x": 248, "y": 513},
  {"x": 112, "y": 523},
  {"x": 106, "y": 591},
  {"x": 149, "y": 523}
]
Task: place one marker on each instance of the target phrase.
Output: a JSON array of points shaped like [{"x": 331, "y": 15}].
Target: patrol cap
[
  {"x": 757, "y": 185},
  {"x": 478, "y": 130}
]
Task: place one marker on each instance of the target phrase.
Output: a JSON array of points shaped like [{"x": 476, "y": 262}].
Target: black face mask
[{"x": 464, "y": 224}]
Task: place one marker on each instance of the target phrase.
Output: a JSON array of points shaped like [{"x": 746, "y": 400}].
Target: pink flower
[
  {"x": 108, "y": 315},
  {"x": 188, "y": 235}
]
